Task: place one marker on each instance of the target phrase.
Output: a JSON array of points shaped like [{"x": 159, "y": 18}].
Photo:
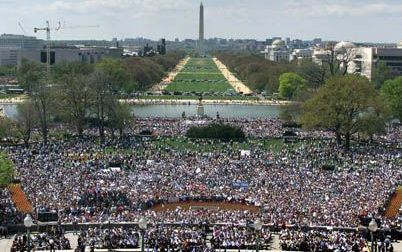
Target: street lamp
[
  {"x": 28, "y": 223},
  {"x": 142, "y": 223},
  {"x": 110, "y": 236},
  {"x": 258, "y": 227},
  {"x": 373, "y": 228}
]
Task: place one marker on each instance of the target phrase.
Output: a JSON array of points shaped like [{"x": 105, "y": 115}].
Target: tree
[
  {"x": 290, "y": 84},
  {"x": 392, "y": 93},
  {"x": 75, "y": 93},
  {"x": 119, "y": 117},
  {"x": 6, "y": 128},
  {"x": 25, "y": 121},
  {"x": 30, "y": 74},
  {"x": 33, "y": 77},
  {"x": 339, "y": 57},
  {"x": 103, "y": 100},
  {"x": 115, "y": 71},
  {"x": 340, "y": 105},
  {"x": 382, "y": 73},
  {"x": 314, "y": 74},
  {"x": 43, "y": 99}
]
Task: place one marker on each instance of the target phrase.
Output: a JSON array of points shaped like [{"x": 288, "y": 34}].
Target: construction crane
[
  {"x": 22, "y": 28},
  {"x": 23, "y": 31},
  {"x": 48, "y": 29}
]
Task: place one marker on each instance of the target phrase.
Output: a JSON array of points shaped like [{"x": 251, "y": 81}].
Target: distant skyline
[{"x": 353, "y": 20}]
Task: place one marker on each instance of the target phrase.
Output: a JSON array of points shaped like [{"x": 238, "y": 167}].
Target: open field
[
  {"x": 199, "y": 86},
  {"x": 199, "y": 75}
]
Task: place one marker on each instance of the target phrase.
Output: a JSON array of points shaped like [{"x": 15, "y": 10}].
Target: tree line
[
  {"x": 326, "y": 96},
  {"x": 82, "y": 95}
]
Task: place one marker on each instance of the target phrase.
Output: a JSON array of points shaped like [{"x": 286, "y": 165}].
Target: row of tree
[
  {"x": 83, "y": 95},
  {"x": 264, "y": 75},
  {"x": 325, "y": 95}
]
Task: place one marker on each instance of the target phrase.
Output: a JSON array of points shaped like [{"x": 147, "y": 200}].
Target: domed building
[
  {"x": 279, "y": 43},
  {"x": 344, "y": 46},
  {"x": 277, "y": 52}
]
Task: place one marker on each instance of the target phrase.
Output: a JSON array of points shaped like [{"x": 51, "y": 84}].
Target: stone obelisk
[{"x": 201, "y": 51}]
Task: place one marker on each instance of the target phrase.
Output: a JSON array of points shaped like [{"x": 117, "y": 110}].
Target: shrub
[{"x": 216, "y": 131}]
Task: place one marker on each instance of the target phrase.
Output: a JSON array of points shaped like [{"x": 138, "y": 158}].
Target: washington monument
[{"x": 201, "y": 34}]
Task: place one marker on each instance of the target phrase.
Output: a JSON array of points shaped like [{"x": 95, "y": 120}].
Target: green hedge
[{"x": 216, "y": 131}]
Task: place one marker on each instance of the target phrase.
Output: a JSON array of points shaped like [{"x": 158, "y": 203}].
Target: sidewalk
[{"x": 236, "y": 83}]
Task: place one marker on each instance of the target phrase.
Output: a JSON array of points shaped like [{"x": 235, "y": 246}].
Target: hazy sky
[{"x": 355, "y": 20}]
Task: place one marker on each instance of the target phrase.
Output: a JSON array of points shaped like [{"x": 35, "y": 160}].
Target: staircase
[
  {"x": 394, "y": 204},
  {"x": 19, "y": 198}
]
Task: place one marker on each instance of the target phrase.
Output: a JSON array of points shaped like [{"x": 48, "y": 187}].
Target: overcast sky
[{"x": 354, "y": 20}]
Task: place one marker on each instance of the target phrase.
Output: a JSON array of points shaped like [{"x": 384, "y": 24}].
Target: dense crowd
[
  {"x": 314, "y": 240},
  {"x": 240, "y": 237},
  {"x": 258, "y": 128},
  {"x": 8, "y": 212},
  {"x": 108, "y": 238},
  {"x": 122, "y": 180},
  {"x": 175, "y": 238},
  {"x": 52, "y": 240},
  {"x": 85, "y": 183}
]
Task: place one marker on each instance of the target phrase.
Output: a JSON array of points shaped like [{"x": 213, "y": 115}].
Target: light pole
[
  {"x": 258, "y": 227},
  {"x": 373, "y": 228},
  {"x": 110, "y": 236},
  {"x": 142, "y": 223},
  {"x": 28, "y": 223}
]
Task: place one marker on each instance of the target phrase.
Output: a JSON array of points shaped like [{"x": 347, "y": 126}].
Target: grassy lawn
[
  {"x": 199, "y": 86},
  {"x": 200, "y": 75},
  {"x": 196, "y": 97}
]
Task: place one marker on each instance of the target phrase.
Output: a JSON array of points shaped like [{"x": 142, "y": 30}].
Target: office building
[{"x": 90, "y": 55}]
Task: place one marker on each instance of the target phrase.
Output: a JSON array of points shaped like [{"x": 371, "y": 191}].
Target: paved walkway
[
  {"x": 236, "y": 83},
  {"x": 172, "y": 75}
]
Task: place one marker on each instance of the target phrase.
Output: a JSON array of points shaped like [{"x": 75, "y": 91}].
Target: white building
[
  {"x": 300, "y": 54},
  {"x": 277, "y": 52},
  {"x": 362, "y": 60}
]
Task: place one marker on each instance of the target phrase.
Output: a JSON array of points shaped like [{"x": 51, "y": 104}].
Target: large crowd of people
[
  {"x": 122, "y": 180},
  {"x": 240, "y": 237},
  {"x": 53, "y": 240},
  {"x": 108, "y": 238},
  {"x": 330, "y": 240}
]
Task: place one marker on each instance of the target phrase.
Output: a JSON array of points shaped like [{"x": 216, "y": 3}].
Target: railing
[{"x": 68, "y": 227}]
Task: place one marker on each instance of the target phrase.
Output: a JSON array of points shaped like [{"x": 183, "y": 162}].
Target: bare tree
[
  {"x": 25, "y": 121},
  {"x": 76, "y": 97},
  {"x": 339, "y": 58}
]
